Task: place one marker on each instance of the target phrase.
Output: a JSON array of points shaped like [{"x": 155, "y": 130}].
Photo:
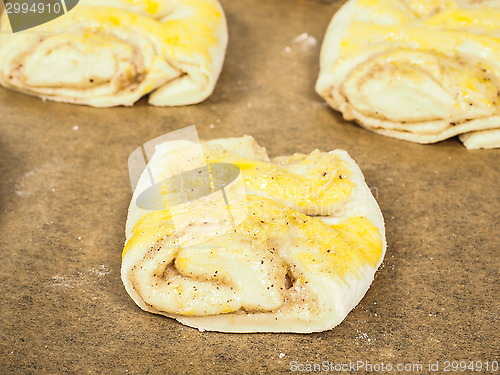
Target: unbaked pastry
[
  {"x": 107, "y": 53},
  {"x": 278, "y": 268},
  {"x": 417, "y": 70}
]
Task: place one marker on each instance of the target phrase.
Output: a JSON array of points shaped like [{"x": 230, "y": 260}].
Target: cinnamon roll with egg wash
[
  {"x": 420, "y": 71},
  {"x": 113, "y": 52},
  {"x": 301, "y": 255}
]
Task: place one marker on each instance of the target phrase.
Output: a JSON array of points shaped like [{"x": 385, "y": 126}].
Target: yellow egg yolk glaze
[{"x": 333, "y": 250}]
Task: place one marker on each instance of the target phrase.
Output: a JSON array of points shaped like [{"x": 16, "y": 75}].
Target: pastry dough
[
  {"x": 276, "y": 269},
  {"x": 482, "y": 139},
  {"x": 107, "y": 53},
  {"x": 420, "y": 71}
]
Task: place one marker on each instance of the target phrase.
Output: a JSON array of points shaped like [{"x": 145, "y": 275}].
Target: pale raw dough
[
  {"x": 278, "y": 269},
  {"x": 481, "y": 139}
]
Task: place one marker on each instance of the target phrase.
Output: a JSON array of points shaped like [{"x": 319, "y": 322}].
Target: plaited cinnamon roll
[
  {"x": 298, "y": 258},
  {"x": 108, "y": 53},
  {"x": 421, "y": 71}
]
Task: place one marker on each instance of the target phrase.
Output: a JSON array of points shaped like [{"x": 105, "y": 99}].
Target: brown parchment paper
[{"x": 64, "y": 193}]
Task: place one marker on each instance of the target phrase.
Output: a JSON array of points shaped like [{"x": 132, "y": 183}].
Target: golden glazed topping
[{"x": 315, "y": 184}]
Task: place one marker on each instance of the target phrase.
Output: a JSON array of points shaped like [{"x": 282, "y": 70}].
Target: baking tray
[{"x": 64, "y": 193}]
